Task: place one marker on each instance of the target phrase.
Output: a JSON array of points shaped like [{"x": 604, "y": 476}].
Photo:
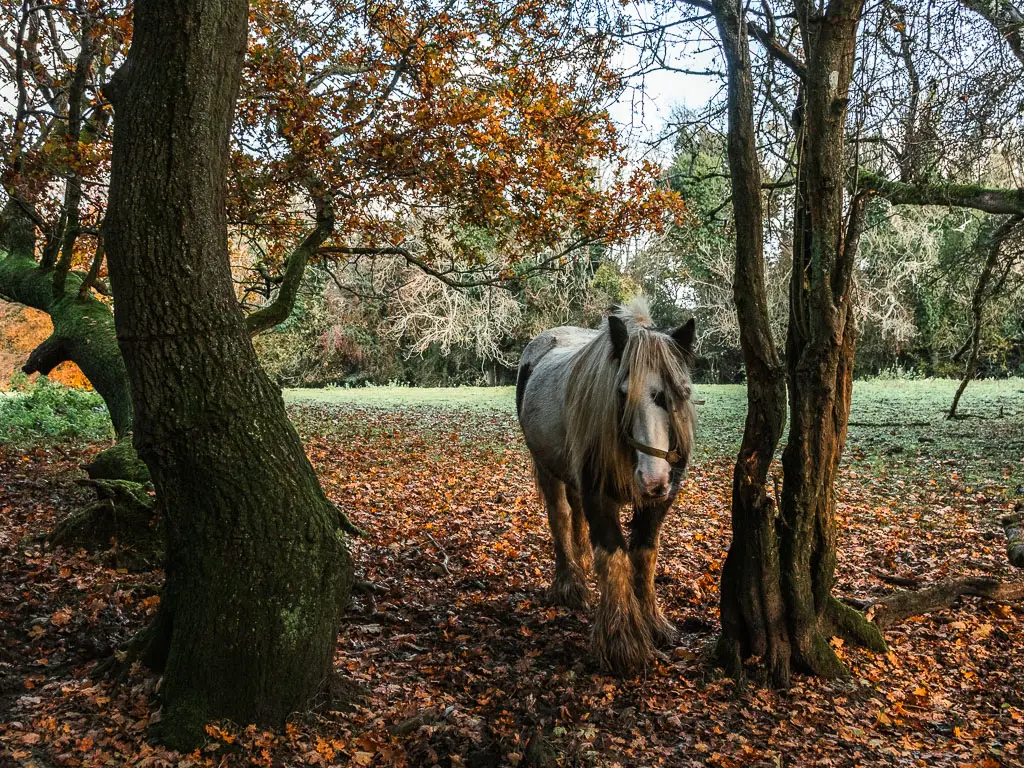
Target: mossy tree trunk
[
  {"x": 777, "y": 604},
  {"x": 820, "y": 345},
  {"x": 257, "y": 571},
  {"x": 83, "y": 326}
]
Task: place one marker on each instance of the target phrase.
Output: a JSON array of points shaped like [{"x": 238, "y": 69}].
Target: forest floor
[{"x": 462, "y": 660}]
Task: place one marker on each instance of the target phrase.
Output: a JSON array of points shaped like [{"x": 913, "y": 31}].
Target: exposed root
[
  {"x": 119, "y": 462},
  {"x": 1013, "y": 527},
  {"x": 123, "y": 523},
  {"x": 899, "y": 606},
  {"x": 853, "y": 626}
]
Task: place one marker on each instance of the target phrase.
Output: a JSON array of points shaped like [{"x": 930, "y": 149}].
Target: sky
[{"x": 645, "y": 108}]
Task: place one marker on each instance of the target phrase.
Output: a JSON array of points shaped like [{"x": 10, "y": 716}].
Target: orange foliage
[
  {"x": 485, "y": 114},
  {"x": 22, "y": 329}
]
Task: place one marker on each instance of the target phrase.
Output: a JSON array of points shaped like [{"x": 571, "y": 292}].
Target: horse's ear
[
  {"x": 619, "y": 334},
  {"x": 684, "y": 337}
]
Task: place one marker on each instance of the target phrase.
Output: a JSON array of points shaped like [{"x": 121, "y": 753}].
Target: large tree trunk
[
  {"x": 257, "y": 570},
  {"x": 777, "y": 580},
  {"x": 820, "y": 346},
  {"x": 753, "y": 620}
]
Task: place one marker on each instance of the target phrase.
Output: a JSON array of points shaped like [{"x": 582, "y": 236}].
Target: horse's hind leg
[
  {"x": 643, "y": 552},
  {"x": 569, "y": 587},
  {"x": 581, "y": 546}
]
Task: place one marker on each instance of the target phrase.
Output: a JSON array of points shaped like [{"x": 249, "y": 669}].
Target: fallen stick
[
  {"x": 900, "y": 606},
  {"x": 888, "y": 424},
  {"x": 899, "y": 581}
]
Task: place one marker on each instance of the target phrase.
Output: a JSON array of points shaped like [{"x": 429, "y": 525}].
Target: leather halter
[{"x": 672, "y": 457}]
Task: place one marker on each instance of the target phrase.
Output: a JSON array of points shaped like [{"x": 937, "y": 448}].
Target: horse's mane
[{"x": 594, "y": 431}]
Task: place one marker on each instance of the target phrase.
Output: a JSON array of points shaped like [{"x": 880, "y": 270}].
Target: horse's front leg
[
  {"x": 621, "y": 635},
  {"x": 643, "y": 552}
]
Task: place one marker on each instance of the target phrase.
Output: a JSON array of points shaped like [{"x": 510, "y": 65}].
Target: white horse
[{"x": 608, "y": 417}]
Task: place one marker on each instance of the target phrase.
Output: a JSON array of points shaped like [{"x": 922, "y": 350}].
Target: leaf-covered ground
[{"x": 464, "y": 663}]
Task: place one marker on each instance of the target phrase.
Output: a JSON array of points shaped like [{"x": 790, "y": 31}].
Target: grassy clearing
[{"x": 488, "y": 398}]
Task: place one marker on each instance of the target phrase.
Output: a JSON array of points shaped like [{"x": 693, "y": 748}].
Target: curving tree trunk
[
  {"x": 753, "y": 615},
  {"x": 83, "y": 326},
  {"x": 990, "y": 242},
  {"x": 257, "y": 570}
]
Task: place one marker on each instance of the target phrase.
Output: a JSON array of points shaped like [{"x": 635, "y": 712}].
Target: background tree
[
  {"x": 361, "y": 132},
  {"x": 783, "y": 617}
]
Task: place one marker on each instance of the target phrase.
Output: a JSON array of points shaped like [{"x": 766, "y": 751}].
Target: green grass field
[{"x": 895, "y": 425}]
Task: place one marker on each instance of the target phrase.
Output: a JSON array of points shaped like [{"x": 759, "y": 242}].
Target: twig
[{"x": 444, "y": 563}]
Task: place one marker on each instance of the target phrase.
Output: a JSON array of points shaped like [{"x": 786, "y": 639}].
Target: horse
[{"x": 608, "y": 417}]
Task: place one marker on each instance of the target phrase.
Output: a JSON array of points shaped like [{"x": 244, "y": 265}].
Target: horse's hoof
[
  {"x": 622, "y": 641},
  {"x": 623, "y": 655},
  {"x": 663, "y": 632},
  {"x": 570, "y": 592}
]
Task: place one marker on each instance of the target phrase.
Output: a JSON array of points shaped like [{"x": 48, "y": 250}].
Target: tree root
[
  {"x": 899, "y": 606},
  {"x": 853, "y": 626},
  {"x": 123, "y": 523},
  {"x": 148, "y": 646},
  {"x": 119, "y": 462},
  {"x": 1013, "y": 527}
]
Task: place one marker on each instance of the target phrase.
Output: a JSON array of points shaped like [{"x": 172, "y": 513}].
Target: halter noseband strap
[{"x": 672, "y": 457}]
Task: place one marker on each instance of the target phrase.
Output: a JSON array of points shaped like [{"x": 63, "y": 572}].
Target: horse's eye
[{"x": 660, "y": 401}]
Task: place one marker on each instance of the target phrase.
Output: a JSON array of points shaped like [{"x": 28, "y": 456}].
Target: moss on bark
[{"x": 83, "y": 332}]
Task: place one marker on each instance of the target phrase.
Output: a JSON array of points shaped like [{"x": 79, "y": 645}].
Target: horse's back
[
  {"x": 548, "y": 350},
  {"x": 540, "y": 391}
]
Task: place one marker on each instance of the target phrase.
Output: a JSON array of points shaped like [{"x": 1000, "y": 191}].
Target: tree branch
[
  {"x": 767, "y": 38},
  {"x": 89, "y": 281},
  {"x": 900, "y": 606},
  {"x": 1008, "y": 21},
  {"x": 47, "y": 356},
  {"x": 278, "y": 310},
  {"x": 1009, "y": 201}
]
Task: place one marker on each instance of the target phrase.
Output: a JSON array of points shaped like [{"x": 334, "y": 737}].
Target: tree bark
[
  {"x": 753, "y": 617},
  {"x": 989, "y": 200},
  {"x": 257, "y": 568},
  {"x": 777, "y": 603},
  {"x": 820, "y": 346}
]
